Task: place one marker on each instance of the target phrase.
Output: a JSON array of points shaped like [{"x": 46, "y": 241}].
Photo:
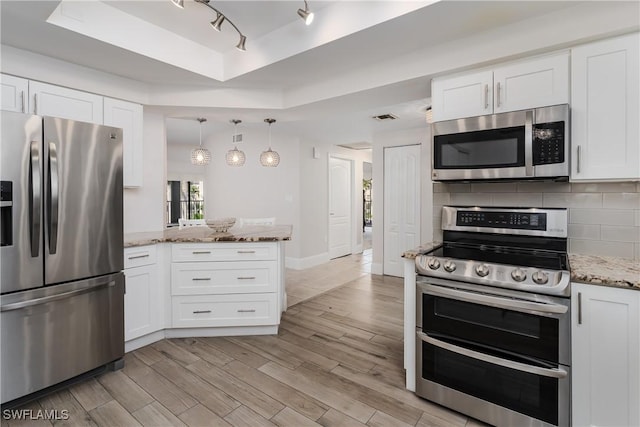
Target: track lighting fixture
[
  {"x": 217, "y": 23},
  {"x": 270, "y": 158},
  {"x": 200, "y": 156},
  {"x": 236, "y": 157},
  {"x": 305, "y": 14}
]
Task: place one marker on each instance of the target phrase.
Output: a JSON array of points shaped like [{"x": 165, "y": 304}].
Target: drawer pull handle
[
  {"x": 200, "y": 252},
  {"x": 246, "y": 278},
  {"x": 201, "y": 278},
  {"x": 247, "y": 311},
  {"x": 201, "y": 311},
  {"x": 246, "y": 252},
  {"x": 139, "y": 256}
]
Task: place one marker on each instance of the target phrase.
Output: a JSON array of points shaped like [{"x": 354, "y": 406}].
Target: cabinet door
[
  {"x": 462, "y": 96},
  {"x": 15, "y": 93},
  {"x": 128, "y": 116},
  {"x": 56, "y": 101},
  {"x": 604, "y": 109},
  {"x": 606, "y": 356},
  {"x": 142, "y": 302},
  {"x": 533, "y": 83}
]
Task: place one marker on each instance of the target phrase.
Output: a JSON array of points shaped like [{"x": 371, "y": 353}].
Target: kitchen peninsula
[{"x": 196, "y": 282}]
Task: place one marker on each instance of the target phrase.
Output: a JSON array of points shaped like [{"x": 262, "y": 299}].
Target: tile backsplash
[{"x": 604, "y": 218}]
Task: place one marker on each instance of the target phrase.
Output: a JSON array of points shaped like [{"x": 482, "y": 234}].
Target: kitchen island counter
[{"x": 253, "y": 233}]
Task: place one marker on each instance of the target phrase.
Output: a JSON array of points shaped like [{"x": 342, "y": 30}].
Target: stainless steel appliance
[
  {"x": 61, "y": 251},
  {"x": 529, "y": 144},
  {"x": 493, "y": 316}
]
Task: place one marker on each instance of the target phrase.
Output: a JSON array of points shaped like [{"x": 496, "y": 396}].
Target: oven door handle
[
  {"x": 536, "y": 370},
  {"x": 494, "y": 301}
]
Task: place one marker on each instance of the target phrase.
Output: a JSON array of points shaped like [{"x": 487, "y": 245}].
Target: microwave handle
[{"x": 528, "y": 142}]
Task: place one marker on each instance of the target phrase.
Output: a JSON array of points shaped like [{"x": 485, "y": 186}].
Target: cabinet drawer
[
  {"x": 196, "y": 278},
  {"x": 139, "y": 256},
  {"x": 224, "y": 310},
  {"x": 223, "y": 252}
]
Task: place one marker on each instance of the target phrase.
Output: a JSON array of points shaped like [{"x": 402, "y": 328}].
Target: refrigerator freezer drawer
[{"x": 55, "y": 333}]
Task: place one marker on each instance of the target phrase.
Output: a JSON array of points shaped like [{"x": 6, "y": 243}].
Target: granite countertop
[
  {"x": 253, "y": 233},
  {"x": 590, "y": 269},
  {"x": 607, "y": 271}
]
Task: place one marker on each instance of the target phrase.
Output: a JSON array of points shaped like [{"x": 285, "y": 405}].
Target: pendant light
[
  {"x": 236, "y": 157},
  {"x": 200, "y": 156},
  {"x": 270, "y": 158}
]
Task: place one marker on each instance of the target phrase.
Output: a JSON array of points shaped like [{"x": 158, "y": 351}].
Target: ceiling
[{"x": 160, "y": 45}]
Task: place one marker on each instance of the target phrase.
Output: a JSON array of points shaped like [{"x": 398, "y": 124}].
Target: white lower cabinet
[
  {"x": 143, "y": 300},
  {"x": 225, "y": 285},
  {"x": 605, "y": 337}
]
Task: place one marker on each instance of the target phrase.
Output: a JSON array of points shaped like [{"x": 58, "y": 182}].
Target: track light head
[
  {"x": 240, "y": 46},
  {"x": 218, "y": 22},
  {"x": 179, "y": 3},
  {"x": 306, "y": 16}
]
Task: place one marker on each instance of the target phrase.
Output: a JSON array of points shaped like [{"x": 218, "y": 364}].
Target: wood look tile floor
[{"x": 336, "y": 361}]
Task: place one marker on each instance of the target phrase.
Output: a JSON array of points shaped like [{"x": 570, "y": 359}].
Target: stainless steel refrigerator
[{"x": 61, "y": 251}]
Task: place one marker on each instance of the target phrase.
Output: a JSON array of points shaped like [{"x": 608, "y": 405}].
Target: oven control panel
[{"x": 496, "y": 219}]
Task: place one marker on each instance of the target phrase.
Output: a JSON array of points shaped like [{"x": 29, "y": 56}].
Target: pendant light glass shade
[
  {"x": 200, "y": 156},
  {"x": 270, "y": 158},
  {"x": 236, "y": 157}
]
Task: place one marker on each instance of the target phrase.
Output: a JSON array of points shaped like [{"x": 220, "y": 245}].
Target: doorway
[
  {"x": 367, "y": 200},
  {"x": 340, "y": 201}
]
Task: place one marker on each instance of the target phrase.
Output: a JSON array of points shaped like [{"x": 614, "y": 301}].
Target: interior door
[
  {"x": 83, "y": 200},
  {"x": 401, "y": 205},
  {"x": 339, "y": 207}
]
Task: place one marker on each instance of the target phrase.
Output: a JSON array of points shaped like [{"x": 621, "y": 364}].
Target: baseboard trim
[
  {"x": 308, "y": 262},
  {"x": 232, "y": 331},
  {"x": 136, "y": 343}
]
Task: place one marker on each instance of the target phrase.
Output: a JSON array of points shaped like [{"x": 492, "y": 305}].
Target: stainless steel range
[{"x": 493, "y": 316}]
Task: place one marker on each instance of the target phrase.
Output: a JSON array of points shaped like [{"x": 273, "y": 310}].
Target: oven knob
[
  {"x": 433, "y": 263},
  {"x": 540, "y": 277},
  {"x": 518, "y": 275},
  {"x": 482, "y": 270},
  {"x": 450, "y": 266}
]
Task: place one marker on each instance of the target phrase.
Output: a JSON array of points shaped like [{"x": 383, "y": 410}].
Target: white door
[
  {"x": 128, "y": 116},
  {"x": 401, "y": 205},
  {"x": 339, "y": 207}
]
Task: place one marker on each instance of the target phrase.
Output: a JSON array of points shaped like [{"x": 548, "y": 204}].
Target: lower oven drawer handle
[
  {"x": 499, "y": 302},
  {"x": 545, "y": 372}
]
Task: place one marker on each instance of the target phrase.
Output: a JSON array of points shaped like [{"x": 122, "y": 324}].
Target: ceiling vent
[{"x": 387, "y": 116}]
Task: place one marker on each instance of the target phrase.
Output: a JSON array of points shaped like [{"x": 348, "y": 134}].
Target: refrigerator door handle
[
  {"x": 50, "y": 298},
  {"x": 54, "y": 194},
  {"x": 35, "y": 204}
]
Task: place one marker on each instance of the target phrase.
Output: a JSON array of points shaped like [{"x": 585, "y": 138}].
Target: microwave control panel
[{"x": 548, "y": 143}]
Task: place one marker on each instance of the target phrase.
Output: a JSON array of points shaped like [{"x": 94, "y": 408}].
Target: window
[{"x": 185, "y": 199}]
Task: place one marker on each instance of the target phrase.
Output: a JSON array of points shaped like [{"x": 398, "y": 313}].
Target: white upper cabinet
[
  {"x": 128, "y": 116},
  {"x": 604, "y": 110},
  {"x": 56, "y": 101},
  {"x": 15, "y": 93},
  {"x": 532, "y": 83},
  {"x": 605, "y": 338},
  {"x": 467, "y": 95}
]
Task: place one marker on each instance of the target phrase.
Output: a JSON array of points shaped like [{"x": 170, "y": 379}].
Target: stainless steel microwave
[{"x": 528, "y": 144}]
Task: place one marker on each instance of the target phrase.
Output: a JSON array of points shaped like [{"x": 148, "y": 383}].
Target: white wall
[
  {"x": 144, "y": 206},
  {"x": 394, "y": 139}
]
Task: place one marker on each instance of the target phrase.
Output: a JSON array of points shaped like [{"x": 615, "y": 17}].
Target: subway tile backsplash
[{"x": 604, "y": 218}]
